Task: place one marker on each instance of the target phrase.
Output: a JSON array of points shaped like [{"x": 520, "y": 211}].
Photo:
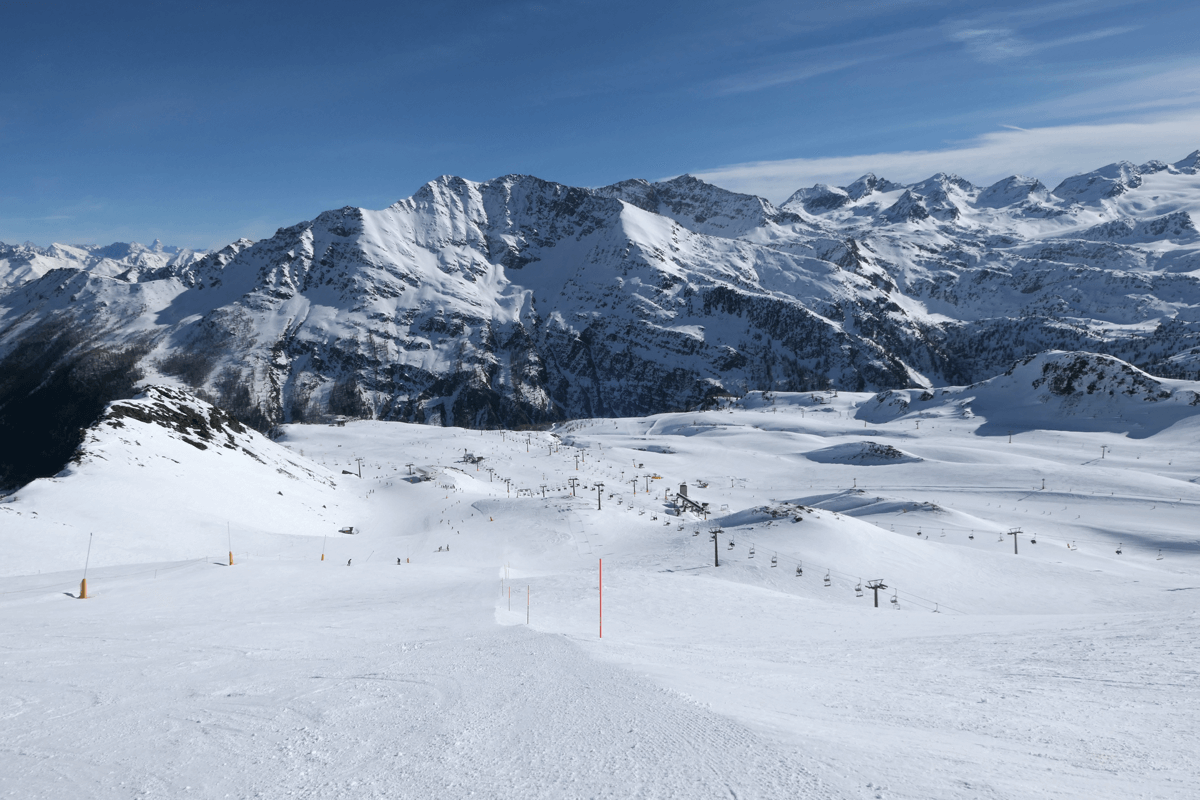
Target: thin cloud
[
  {"x": 999, "y": 44},
  {"x": 1049, "y": 153}
]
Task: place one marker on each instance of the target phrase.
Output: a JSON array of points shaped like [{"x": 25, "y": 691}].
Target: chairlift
[
  {"x": 858, "y": 588},
  {"x": 730, "y": 544},
  {"x": 752, "y": 551},
  {"x": 972, "y": 536},
  {"x": 896, "y": 599},
  {"x": 918, "y": 531},
  {"x": 943, "y": 536},
  {"x": 828, "y": 582},
  {"x": 935, "y": 609},
  {"x": 1160, "y": 557},
  {"x": 696, "y": 532},
  {"x": 1119, "y": 544},
  {"x": 799, "y": 571},
  {"x": 1032, "y": 541},
  {"x": 775, "y": 560}
]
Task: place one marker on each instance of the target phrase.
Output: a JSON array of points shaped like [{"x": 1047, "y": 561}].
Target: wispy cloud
[
  {"x": 999, "y": 44},
  {"x": 794, "y": 66},
  {"x": 1049, "y": 153}
]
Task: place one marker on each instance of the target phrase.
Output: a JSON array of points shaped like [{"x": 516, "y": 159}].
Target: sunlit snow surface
[{"x": 1053, "y": 673}]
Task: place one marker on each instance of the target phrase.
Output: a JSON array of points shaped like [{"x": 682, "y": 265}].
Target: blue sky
[{"x": 198, "y": 123}]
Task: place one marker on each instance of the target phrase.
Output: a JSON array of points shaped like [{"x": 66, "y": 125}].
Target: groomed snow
[{"x": 1054, "y": 673}]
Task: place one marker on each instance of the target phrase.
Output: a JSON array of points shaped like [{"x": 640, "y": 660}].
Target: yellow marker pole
[{"x": 86, "y": 562}]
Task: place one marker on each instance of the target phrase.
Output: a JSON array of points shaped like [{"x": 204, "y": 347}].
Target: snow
[{"x": 1054, "y": 673}]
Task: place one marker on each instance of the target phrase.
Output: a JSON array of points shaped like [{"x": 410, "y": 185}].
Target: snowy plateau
[{"x": 321, "y": 562}]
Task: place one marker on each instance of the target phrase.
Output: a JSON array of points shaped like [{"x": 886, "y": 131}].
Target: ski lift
[
  {"x": 828, "y": 582},
  {"x": 918, "y": 531},
  {"x": 1032, "y": 540},
  {"x": 896, "y": 600},
  {"x": 935, "y": 609},
  {"x": 731, "y": 544},
  {"x": 1001, "y": 538},
  {"x": 1119, "y": 544},
  {"x": 858, "y": 588},
  {"x": 696, "y": 532},
  {"x": 972, "y": 536},
  {"x": 943, "y": 536},
  {"x": 775, "y": 560},
  {"x": 1159, "y": 556},
  {"x": 799, "y": 571},
  {"x": 752, "y": 551}
]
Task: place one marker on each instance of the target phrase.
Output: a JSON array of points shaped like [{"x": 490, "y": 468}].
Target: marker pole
[{"x": 86, "y": 561}]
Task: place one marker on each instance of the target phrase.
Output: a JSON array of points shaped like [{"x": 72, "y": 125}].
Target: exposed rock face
[{"x": 519, "y": 301}]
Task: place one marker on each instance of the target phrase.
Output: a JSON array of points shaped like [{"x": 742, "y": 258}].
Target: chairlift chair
[
  {"x": 1160, "y": 557},
  {"x": 752, "y": 551},
  {"x": 1119, "y": 548},
  {"x": 858, "y": 588},
  {"x": 799, "y": 571},
  {"x": 828, "y": 582},
  {"x": 731, "y": 544},
  {"x": 775, "y": 560}
]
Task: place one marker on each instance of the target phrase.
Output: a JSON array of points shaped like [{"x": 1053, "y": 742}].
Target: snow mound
[
  {"x": 1054, "y": 390},
  {"x": 784, "y": 511},
  {"x": 866, "y": 453},
  {"x": 164, "y": 477}
]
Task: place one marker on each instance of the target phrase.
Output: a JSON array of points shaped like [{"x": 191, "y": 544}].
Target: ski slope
[{"x": 451, "y": 646}]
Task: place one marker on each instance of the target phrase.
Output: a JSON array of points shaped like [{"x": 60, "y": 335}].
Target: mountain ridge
[{"x": 520, "y": 301}]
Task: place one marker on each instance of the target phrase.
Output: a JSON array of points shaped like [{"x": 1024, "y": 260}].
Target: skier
[{"x": 348, "y": 560}]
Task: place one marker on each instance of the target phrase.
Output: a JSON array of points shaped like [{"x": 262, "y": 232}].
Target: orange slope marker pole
[{"x": 83, "y": 583}]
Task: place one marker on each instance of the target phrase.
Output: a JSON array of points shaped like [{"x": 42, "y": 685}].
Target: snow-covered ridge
[
  {"x": 129, "y": 261},
  {"x": 519, "y": 300}
]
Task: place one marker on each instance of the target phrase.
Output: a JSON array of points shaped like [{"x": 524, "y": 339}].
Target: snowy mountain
[
  {"x": 517, "y": 300},
  {"x": 127, "y": 261}
]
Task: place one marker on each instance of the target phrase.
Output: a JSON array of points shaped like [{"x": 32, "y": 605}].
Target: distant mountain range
[{"x": 519, "y": 301}]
